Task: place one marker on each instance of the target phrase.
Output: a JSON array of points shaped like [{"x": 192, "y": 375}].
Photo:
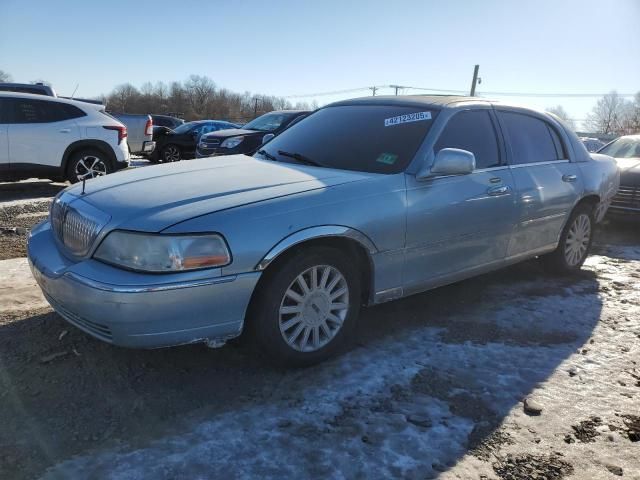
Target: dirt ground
[{"x": 66, "y": 397}]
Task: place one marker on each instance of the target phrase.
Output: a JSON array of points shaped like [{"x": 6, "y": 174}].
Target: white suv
[{"x": 59, "y": 139}]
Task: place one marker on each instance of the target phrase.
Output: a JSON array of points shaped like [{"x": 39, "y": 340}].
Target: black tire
[
  {"x": 170, "y": 153},
  {"x": 558, "y": 261},
  {"x": 264, "y": 319},
  {"x": 89, "y": 162}
]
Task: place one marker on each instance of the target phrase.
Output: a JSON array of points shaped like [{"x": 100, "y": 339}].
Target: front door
[
  {"x": 548, "y": 184},
  {"x": 458, "y": 224}
]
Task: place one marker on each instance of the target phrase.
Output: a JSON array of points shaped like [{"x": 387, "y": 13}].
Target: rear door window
[
  {"x": 531, "y": 139},
  {"x": 26, "y": 110},
  {"x": 473, "y": 131}
]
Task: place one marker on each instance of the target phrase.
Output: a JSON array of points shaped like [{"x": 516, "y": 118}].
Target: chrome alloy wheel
[
  {"x": 314, "y": 308},
  {"x": 90, "y": 166},
  {"x": 577, "y": 242},
  {"x": 171, "y": 154}
]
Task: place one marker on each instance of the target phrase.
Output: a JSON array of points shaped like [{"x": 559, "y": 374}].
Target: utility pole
[
  {"x": 397, "y": 87},
  {"x": 474, "y": 81},
  {"x": 374, "y": 90},
  {"x": 255, "y": 107}
]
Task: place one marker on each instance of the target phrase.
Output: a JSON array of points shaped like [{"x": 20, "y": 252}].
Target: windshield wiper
[
  {"x": 299, "y": 157},
  {"x": 266, "y": 154}
]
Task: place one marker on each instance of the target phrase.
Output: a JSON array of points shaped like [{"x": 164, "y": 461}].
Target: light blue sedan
[{"x": 362, "y": 202}]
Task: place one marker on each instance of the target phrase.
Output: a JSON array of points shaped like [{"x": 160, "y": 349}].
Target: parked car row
[
  {"x": 360, "y": 202},
  {"x": 173, "y": 145}
]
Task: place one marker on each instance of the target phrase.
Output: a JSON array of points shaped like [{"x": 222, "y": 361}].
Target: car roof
[
  {"x": 412, "y": 100},
  {"x": 48, "y": 98}
]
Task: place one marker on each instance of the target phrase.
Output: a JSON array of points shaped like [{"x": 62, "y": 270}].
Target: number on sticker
[{"x": 406, "y": 118}]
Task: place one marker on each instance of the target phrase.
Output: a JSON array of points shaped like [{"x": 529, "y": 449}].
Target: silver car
[{"x": 362, "y": 202}]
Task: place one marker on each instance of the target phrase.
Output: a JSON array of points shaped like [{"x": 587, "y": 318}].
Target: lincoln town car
[{"x": 361, "y": 202}]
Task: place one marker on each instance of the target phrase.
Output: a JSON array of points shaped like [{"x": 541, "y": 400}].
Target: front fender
[{"x": 311, "y": 233}]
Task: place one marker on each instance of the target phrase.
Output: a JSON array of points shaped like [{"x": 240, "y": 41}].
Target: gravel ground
[{"x": 433, "y": 387}]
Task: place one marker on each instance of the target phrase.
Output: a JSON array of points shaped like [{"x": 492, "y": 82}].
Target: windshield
[
  {"x": 184, "y": 128},
  {"x": 366, "y": 138},
  {"x": 622, "y": 148},
  {"x": 267, "y": 122}
]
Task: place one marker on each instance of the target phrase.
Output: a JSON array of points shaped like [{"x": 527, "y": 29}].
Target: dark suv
[{"x": 250, "y": 137}]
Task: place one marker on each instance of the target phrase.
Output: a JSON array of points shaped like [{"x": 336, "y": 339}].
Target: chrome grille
[
  {"x": 76, "y": 226},
  {"x": 210, "y": 143},
  {"x": 78, "y": 232},
  {"x": 57, "y": 217},
  {"x": 627, "y": 198}
]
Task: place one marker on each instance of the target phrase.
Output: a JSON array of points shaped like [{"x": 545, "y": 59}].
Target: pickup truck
[
  {"x": 140, "y": 132},
  {"x": 139, "y": 127}
]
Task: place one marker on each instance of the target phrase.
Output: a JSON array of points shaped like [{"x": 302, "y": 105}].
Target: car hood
[
  {"x": 627, "y": 164},
  {"x": 629, "y": 171},
  {"x": 154, "y": 198},
  {"x": 232, "y": 132}
]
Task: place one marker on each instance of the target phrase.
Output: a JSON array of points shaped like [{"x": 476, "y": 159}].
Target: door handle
[
  {"x": 497, "y": 191},
  {"x": 569, "y": 178},
  {"x": 64, "y": 130}
]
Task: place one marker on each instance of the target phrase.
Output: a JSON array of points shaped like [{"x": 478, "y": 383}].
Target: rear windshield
[
  {"x": 622, "y": 148},
  {"x": 366, "y": 138}
]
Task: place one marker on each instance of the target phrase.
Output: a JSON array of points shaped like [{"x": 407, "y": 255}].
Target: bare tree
[
  {"x": 5, "y": 76},
  {"x": 561, "y": 113},
  {"x": 607, "y": 115},
  {"x": 123, "y": 98},
  {"x": 199, "y": 91}
]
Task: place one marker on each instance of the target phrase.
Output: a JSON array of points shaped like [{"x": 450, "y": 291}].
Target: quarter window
[
  {"x": 472, "y": 131},
  {"x": 532, "y": 140}
]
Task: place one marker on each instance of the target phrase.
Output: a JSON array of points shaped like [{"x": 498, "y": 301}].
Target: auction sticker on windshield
[{"x": 407, "y": 118}]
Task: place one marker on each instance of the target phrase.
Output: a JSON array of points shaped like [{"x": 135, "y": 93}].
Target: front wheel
[
  {"x": 307, "y": 307},
  {"x": 575, "y": 242}
]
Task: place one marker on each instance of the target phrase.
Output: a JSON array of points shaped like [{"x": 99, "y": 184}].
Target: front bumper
[{"x": 130, "y": 309}]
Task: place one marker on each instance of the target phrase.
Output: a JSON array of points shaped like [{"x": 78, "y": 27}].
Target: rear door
[
  {"x": 548, "y": 184},
  {"x": 460, "y": 223},
  {"x": 41, "y": 130},
  {"x": 4, "y": 139}
]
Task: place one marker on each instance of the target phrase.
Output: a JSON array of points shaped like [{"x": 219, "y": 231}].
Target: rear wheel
[
  {"x": 307, "y": 308},
  {"x": 87, "y": 164},
  {"x": 171, "y": 153},
  {"x": 575, "y": 242}
]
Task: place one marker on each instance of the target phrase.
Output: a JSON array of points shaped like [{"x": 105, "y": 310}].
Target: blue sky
[{"x": 293, "y": 47}]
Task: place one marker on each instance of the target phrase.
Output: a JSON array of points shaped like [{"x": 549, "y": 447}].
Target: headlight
[
  {"x": 232, "y": 142},
  {"x": 163, "y": 253}
]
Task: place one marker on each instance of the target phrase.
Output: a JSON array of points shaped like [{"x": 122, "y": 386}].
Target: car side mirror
[
  {"x": 267, "y": 137},
  {"x": 451, "y": 161}
]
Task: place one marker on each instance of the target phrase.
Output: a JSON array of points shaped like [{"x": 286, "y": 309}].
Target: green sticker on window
[{"x": 387, "y": 158}]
